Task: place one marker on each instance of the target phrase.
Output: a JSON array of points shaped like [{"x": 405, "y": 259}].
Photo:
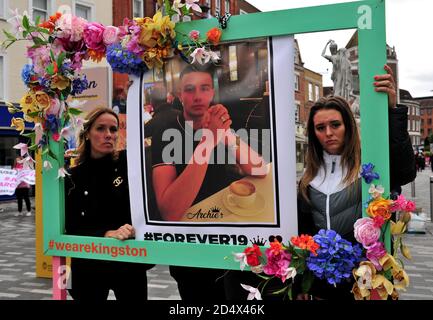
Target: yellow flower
[
  {"x": 406, "y": 252},
  {"x": 398, "y": 228},
  {"x": 380, "y": 207},
  {"x": 383, "y": 286},
  {"x": 11, "y": 108},
  {"x": 18, "y": 124},
  {"x": 360, "y": 294},
  {"x": 60, "y": 82},
  {"x": 28, "y": 100},
  {"x": 43, "y": 100},
  {"x": 167, "y": 27},
  {"x": 401, "y": 279},
  {"x": 388, "y": 262},
  {"x": 394, "y": 295}
]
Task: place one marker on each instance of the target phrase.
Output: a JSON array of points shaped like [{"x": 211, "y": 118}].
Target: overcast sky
[{"x": 409, "y": 27}]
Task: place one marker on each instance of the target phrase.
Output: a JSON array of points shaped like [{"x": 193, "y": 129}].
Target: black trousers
[
  {"x": 92, "y": 280},
  {"x": 199, "y": 284},
  {"x": 23, "y": 193}
]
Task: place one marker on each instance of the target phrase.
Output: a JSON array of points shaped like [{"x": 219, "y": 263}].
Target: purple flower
[
  {"x": 368, "y": 174},
  {"x": 335, "y": 258},
  {"x": 79, "y": 85}
]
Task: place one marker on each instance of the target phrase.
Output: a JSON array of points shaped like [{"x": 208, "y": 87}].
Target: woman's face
[
  {"x": 103, "y": 135},
  {"x": 329, "y": 129}
]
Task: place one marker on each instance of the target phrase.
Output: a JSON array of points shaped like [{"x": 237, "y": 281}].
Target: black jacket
[{"x": 97, "y": 197}]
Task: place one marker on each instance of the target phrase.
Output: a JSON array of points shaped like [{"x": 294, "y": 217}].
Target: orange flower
[
  {"x": 51, "y": 23},
  {"x": 380, "y": 207},
  {"x": 214, "y": 35},
  {"x": 276, "y": 247},
  {"x": 96, "y": 55},
  {"x": 305, "y": 242}
]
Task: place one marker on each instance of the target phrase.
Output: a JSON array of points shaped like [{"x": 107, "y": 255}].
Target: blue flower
[
  {"x": 335, "y": 258},
  {"x": 124, "y": 61},
  {"x": 27, "y": 73},
  {"x": 52, "y": 123},
  {"x": 368, "y": 174},
  {"x": 79, "y": 85}
]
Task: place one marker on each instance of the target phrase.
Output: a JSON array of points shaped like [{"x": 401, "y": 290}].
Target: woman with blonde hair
[{"x": 97, "y": 205}]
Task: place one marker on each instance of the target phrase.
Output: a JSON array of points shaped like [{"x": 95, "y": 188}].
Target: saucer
[{"x": 254, "y": 210}]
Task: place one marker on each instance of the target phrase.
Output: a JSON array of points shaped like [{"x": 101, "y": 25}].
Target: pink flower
[
  {"x": 56, "y": 137},
  {"x": 278, "y": 264},
  {"x": 94, "y": 36},
  {"x": 410, "y": 206},
  {"x": 54, "y": 108},
  {"x": 111, "y": 35},
  {"x": 194, "y": 35},
  {"x": 71, "y": 27},
  {"x": 366, "y": 231},
  {"x": 374, "y": 253},
  {"x": 399, "y": 204}
]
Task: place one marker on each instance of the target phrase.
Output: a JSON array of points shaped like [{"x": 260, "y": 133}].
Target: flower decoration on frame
[
  {"x": 375, "y": 272},
  {"x": 59, "y": 46}
]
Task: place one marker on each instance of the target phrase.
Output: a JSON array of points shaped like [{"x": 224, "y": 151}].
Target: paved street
[{"x": 17, "y": 257}]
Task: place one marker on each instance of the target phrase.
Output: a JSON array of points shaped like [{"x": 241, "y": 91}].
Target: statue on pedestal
[{"x": 341, "y": 73}]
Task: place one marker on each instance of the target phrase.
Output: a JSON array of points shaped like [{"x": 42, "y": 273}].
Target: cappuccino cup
[{"x": 242, "y": 194}]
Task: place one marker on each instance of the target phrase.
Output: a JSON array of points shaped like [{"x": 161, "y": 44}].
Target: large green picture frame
[{"x": 368, "y": 17}]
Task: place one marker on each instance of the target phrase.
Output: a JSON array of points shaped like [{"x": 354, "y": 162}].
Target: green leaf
[
  {"x": 33, "y": 147},
  {"x": 46, "y": 150},
  {"x": 9, "y": 35},
  {"x": 52, "y": 55},
  {"x": 307, "y": 281},
  {"x": 280, "y": 291},
  {"x": 39, "y": 41},
  {"x": 33, "y": 114},
  {"x": 38, "y": 20},
  {"x": 29, "y": 135},
  {"x": 290, "y": 294},
  {"x": 50, "y": 69},
  {"x": 74, "y": 111},
  {"x": 26, "y": 23},
  {"x": 60, "y": 58},
  {"x": 263, "y": 277},
  {"x": 43, "y": 30}
]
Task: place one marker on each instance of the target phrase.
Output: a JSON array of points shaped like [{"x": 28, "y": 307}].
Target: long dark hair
[
  {"x": 83, "y": 149},
  {"x": 351, "y": 155}
]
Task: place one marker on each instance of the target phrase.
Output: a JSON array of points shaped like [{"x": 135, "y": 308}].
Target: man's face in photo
[{"x": 196, "y": 93}]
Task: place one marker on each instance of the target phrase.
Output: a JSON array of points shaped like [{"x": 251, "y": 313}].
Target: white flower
[
  {"x": 47, "y": 165},
  {"x": 62, "y": 173},
  {"x": 24, "y": 148},
  {"x": 242, "y": 259},
  {"x": 289, "y": 273},
  {"x": 199, "y": 55},
  {"x": 214, "y": 56},
  {"x": 192, "y": 4},
  {"x": 175, "y": 18},
  {"x": 39, "y": 132},
  {"x": 254, "y": 293},
  {"x": 28, "y": 163},
  {"x": 177, "y": 5},
  {"x": 376, "y": 191}
]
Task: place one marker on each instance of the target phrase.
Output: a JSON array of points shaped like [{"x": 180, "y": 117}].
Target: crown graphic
[
  {"x": 258, "y": 241},
  {"x": 215, "y": 209}
]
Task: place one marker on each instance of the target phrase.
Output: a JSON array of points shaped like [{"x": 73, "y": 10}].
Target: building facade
[
  {"x": 426, "y": 115},
  {"x": 12, "y": 61},
  {"x": 413, "y": 118}
]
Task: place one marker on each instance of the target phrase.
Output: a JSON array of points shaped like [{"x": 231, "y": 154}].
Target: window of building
[
  {"x": 297, "y": 110},
  {"x": 417, "y": 111},
  {"x": 84, "y": 11},
  {"x": 310, "y": 92},
  {"x": 40, "y": 8},
  {"x": 422, "y": 131},
  {"x": 296, "y": 82},
  {"x": 317, "y": 92},
  {"x": 408, "y": 125},
  {"x": 422, "y": 111},
  {"x": 429, "y": 121},
  {"x": 428, "y": 111},
  {"x": 217, "y": 6},
  {"x": 429, "y": 132},
  {"x": 137, "y": 8},
  {"x": 2, "y": 79},
  {"x": 3, "y": 7},
  {"x": 422, "y": 122},
  {"x": 227, "y": 6}
]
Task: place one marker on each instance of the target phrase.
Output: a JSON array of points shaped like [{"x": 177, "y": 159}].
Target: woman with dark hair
[
  {"x": 97, "y": 205},
  {"x": 330, "y": 190}
]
